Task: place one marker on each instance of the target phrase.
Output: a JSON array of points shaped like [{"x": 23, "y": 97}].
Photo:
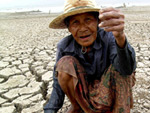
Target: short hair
[{"x": 95, "y": 14}]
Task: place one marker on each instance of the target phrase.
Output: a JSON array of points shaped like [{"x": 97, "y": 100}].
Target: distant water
[
  {"x": 41, "y": 9},
  {"x": 59, "y": 9}
]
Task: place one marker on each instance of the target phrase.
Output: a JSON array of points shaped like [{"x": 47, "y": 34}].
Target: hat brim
[{"x": 58, "y": 22}]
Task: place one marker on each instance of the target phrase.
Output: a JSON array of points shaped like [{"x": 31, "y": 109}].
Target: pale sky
[{"x": 51, "y": 3}]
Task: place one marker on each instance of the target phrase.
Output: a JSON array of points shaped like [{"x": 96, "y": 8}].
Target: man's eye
[
  {"x": 75, "y": 22},
  {"x": 88, "y": 19}
]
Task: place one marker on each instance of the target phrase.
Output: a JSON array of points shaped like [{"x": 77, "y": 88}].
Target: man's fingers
[
  {"x": 118, "y": 28},
  {"x": 111, "y": 22},
  {"x": 110, "y": 15}
]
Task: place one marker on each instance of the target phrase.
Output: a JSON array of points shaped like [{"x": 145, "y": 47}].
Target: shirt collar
[
  {"x": 71, "y": 45},
  {"x": 97, "y": 44}
]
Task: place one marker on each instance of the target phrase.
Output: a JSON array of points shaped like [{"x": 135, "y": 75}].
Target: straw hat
[{"x": 73, "y": 7}]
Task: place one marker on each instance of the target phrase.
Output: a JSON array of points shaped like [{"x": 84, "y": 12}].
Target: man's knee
[
  {"x": 66, "y": 82},
  {"x": 63, "y": 78}
]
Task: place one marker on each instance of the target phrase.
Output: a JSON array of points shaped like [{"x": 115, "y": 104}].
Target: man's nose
[{"x": 83, "y": 27}]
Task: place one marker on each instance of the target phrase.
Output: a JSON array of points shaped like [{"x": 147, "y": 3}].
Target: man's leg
[{"x": 66, "y": 82}]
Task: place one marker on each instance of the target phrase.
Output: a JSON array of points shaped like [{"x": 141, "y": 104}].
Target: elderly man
[{"x": 95, "y": 64}]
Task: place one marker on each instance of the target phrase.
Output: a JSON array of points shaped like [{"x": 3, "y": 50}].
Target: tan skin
[
  {"x": 113, "y": 20},
  {"x": 83, "y": 27}
]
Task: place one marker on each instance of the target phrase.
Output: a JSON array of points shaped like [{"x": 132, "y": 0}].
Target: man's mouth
[{"x": 84, "y": 36}]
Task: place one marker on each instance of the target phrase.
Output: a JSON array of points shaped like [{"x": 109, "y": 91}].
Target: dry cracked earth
[{"x": 27, "y": 57}]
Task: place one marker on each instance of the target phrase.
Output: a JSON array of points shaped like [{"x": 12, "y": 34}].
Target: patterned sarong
[{"x": 111, "y": 94}]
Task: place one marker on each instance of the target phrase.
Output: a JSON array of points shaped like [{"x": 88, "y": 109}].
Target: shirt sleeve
[
  {"x": 57, "y": 96},
  {"x": 123, "y": 59}
]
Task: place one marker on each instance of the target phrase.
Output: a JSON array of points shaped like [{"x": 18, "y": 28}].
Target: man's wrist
[{"x": 121, "y": 41}]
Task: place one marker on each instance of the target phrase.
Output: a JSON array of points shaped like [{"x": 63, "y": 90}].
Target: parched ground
[{"x": 27, "y": 56}]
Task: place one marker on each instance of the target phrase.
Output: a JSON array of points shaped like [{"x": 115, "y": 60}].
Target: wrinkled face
[{"x": 83, "y": 27}]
